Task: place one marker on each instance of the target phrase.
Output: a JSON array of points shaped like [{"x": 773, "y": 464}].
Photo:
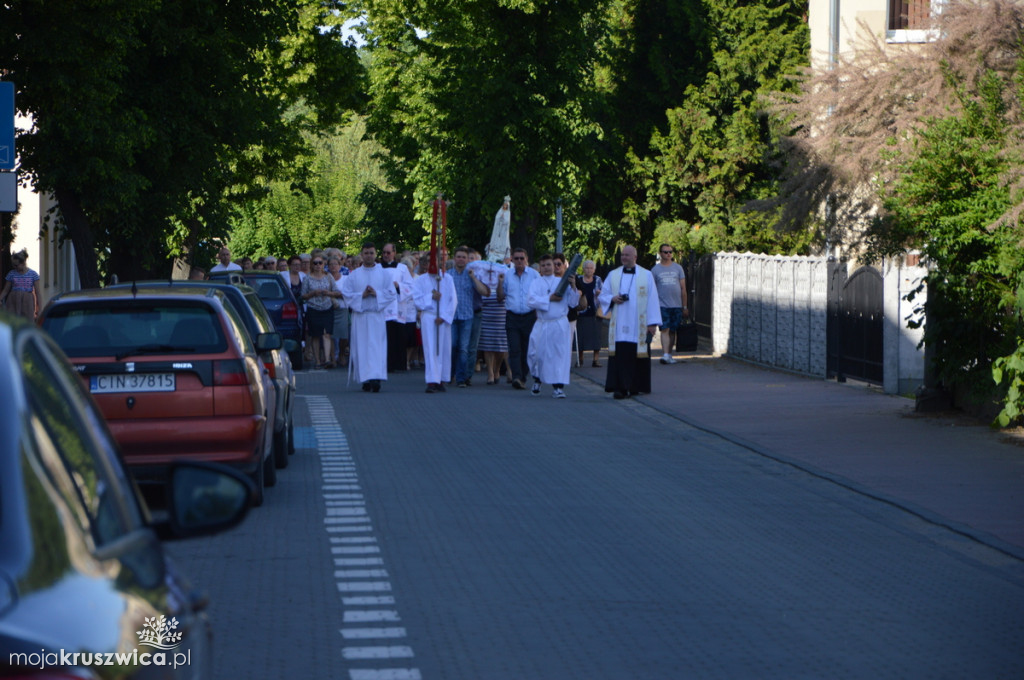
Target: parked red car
[{"x": 175, "y": 374}]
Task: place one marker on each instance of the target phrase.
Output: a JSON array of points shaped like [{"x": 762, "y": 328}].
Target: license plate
[{"x": 131, "y": 382}]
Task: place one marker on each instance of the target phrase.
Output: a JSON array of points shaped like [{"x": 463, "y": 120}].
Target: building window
[
  {"x": 909, "y": 14},
  {"x": 910, "y": 21}
]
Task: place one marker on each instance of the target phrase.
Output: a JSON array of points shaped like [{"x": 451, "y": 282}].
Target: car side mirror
[
  {"x": 266, "y": 342},
  {"x": 204, "y": 498}
]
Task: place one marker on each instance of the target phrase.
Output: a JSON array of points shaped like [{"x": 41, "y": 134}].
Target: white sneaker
[
  {"x": 535, "y": 390},
  {"x": 559, "y": 393},
  {"x": 667, "y": 359}
]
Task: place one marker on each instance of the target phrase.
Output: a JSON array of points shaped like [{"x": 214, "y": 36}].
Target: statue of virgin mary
[{"x": 500, "y": 249}]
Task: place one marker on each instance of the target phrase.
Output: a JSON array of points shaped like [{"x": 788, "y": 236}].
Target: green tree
[
  {"x": 483, "y": 99},
  {"x": 948, "y": 200},
  {"x": 325, "y": 210},
  {"x": 147, "y": 112},
  {"x": 653, "y": 51},
  {"x": 720, "y": 147}
]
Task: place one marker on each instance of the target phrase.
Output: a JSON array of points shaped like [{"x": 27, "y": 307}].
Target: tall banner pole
[
  {"x": 434, "y": 231},
  {"x": 438, "y": 231}
]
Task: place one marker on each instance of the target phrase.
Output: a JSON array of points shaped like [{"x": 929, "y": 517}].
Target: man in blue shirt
[
  {"x": 519, "y": 316},
  {"x": 469, "y": 291}
]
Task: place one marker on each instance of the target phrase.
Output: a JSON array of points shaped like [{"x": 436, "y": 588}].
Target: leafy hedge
[{"x": 953, "y": 198}]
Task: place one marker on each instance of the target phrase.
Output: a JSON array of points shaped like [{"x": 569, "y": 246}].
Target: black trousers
[
  {"x": 517, "y": 332},
  {"x": 627, "y": 372},
  {"x": 397, "y": 343}
]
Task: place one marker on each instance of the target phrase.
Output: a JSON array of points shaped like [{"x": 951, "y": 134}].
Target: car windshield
[{"x": 112, "y": 329}]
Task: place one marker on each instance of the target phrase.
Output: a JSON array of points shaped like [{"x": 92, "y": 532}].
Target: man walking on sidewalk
[
  {"x": 671, "y": 282},
  {"x": 630, "y": 298}
]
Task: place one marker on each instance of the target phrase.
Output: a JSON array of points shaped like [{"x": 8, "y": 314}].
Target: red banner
[{"x": 438, "y": 227}]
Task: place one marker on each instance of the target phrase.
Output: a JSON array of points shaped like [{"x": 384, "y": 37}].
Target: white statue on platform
[{"x": 500, "y": 248}]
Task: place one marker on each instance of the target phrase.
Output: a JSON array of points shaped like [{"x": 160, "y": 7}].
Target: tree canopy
[
  {"x": 148, "y": 115},
  {"x": 327, "y": 210},
  {"x": 631, "y": 112},
  {"x": 720, "y": 147},
  {"x": 162, "y": 125},
  {"x": 483, "y": 99}
]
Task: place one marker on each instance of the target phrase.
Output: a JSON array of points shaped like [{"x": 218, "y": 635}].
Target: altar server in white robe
[
  {"x": 550, "y": 351},
  {"x": 630, "y": 296},
  {"x": 368, "y": 290},
  {"x": 436, "y": 300}
]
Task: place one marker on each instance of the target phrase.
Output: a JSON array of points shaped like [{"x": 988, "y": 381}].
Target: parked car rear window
[
  {"x": 111, "y": 328},
  {"x": 269, "y": 288}
]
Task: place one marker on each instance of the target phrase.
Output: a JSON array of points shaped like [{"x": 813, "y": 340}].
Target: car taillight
[
  {"x": 230, "y": 372},
  {"x": 269, "y": 365},
  {"x": 290, "y": 311}
]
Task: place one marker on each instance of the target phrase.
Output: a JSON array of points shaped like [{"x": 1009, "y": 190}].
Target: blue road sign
[{"x": 6, "y": 126}]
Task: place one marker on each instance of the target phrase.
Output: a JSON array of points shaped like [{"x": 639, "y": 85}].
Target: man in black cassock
[{"x": 630, "y": 296}]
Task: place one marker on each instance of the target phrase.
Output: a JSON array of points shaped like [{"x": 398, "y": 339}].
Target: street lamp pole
[{"x": 558, "y": 226}]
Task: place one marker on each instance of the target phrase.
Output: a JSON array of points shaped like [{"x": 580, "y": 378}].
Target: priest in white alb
[
  {"x": 368, "y": 290},
  {"x": 630, "y": 297},
  {"x": 434, "y": 295},
  {"x": 549, "y": 355}
]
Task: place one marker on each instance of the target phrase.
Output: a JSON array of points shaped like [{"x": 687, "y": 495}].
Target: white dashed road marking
[
  {"x": 360, "y": 572},
  {"x": 378, "y": 652}
]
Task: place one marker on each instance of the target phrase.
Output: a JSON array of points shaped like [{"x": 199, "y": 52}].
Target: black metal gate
[
  {"x": 854, "y": 330},
  {"x": 700, "y": 277}
]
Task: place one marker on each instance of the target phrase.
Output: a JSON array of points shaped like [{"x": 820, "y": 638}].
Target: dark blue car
[{"x": 284, "y": 309}]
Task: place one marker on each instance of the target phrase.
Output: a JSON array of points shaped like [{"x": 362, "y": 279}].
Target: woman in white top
[{"x": 341, "y": 313}]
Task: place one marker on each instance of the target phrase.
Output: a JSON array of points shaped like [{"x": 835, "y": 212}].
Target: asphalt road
[{"x": 489, "y": 534}]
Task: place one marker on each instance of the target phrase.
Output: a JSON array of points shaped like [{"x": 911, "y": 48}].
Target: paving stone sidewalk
[{"x": 950, "y": 470}]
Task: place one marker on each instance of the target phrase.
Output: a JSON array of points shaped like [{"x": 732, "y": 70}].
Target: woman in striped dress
[{"x": 493, "y": 342}]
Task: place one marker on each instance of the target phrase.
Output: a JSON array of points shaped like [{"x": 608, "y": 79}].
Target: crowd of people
[
  {"x": 376, "y": 317},
  {"x": 510, "y": 319}
]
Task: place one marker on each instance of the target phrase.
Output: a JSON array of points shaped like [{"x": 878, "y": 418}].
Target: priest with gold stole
[{"x": 630, "y": 298}]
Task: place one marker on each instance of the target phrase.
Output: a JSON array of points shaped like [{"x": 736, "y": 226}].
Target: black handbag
[{"x": 686, "y": 337}]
